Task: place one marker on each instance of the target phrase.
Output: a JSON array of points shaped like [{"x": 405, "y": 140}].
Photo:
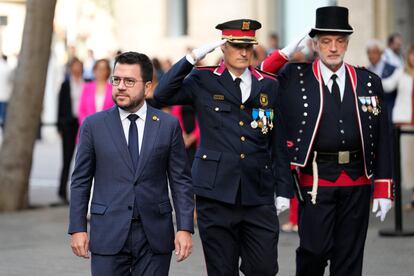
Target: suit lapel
[
  {"x": 113, "y": 123},
  {"x": 256, "y": 88},
  {"x": 151, "y": 128}
]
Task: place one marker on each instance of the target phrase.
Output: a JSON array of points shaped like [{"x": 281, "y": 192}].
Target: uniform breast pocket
[{"x": 214, "y": 113}]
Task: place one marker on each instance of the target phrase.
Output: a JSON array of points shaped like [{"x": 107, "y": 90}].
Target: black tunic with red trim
[
  {"x": 233, "y": 156},
  {"x": 302, "y": 98}
]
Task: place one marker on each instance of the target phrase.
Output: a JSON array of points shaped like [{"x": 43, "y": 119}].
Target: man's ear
[
  {"x": 223, "y": 47},
  {"x": 148, "y": 85}
]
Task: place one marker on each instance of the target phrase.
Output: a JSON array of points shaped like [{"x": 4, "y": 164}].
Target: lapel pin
[{"x": 155, "y": 118}]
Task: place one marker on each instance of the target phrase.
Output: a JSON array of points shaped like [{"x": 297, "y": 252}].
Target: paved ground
[{"x": 35, "y": 242}]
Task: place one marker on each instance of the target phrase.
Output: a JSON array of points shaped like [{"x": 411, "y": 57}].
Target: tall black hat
[{"x": 331, "y": 19}]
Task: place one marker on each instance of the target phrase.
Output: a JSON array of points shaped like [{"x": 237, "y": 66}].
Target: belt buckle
[{"x": 343, "y": 157}]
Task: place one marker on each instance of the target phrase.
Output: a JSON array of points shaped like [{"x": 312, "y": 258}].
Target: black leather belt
[{"x": 340, "y": 157}]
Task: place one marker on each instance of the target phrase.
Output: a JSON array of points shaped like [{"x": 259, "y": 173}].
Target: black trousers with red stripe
[{"x": 334, "y": 229}]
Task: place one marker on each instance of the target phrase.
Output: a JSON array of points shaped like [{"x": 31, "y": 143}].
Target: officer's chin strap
[{"x": 314, "y": 191}]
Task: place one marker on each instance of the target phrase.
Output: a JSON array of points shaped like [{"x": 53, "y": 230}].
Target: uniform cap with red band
[{"x": 240, "y": 31}]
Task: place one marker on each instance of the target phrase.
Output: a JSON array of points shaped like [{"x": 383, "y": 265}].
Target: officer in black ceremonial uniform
[
  {"x": 338, "y": 137},
  {"x": 242, "y": 161}
]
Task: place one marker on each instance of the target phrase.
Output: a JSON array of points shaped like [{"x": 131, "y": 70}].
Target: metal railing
[{"x": 398, "y": 223}]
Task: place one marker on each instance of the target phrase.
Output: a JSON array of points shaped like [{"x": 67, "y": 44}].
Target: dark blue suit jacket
[
  {"x": 103, "y": 156},
  {"x": 232, "y": 154}
]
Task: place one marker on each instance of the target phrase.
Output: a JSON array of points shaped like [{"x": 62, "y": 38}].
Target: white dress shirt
[
  {"x": 245, "y": 84},
  {"x": 340, "y": 80},
  {"x": 142, "y": 113}
]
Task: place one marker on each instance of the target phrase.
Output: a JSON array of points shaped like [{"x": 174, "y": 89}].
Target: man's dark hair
[
  {"x": 392, "y": 37},
  {"x": 137, "y": 58}
]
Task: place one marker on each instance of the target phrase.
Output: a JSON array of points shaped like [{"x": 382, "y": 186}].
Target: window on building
[{"x": 177, "y": 17}]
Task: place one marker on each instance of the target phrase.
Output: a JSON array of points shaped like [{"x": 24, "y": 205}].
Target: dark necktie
[
  {"x": 335, "y": 90},
  {"x": 133, "y": 139},
  {"x": 237, "y": 82}
]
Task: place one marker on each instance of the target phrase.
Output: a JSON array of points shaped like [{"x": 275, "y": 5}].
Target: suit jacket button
[
  {"x": 241, "y": 106},
  {"x": 129, "y": 207},
  {"x": 204, "y": 156},
  {"x": 241, "y": 123},
  {"x": 242, "y": 156}
]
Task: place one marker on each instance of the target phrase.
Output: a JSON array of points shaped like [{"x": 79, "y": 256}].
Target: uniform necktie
[
  {"x": 237, "y": 82},
  {"x": 133, "y": 139},
  {"x": 335, "y": 90}
]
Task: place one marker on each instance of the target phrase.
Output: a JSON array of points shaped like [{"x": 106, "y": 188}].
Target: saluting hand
[
  {"x": 199, "y": 53},
  {"x": 183, "y": 245}
]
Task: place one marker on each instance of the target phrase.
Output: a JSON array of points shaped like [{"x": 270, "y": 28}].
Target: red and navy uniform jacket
[
  {"x": 301, "y": 85},
  {"x": 232, "y": 153}
]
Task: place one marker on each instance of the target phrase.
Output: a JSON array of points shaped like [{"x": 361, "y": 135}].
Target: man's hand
[
  {"x": 296, "y": 45},
  {"x": 80, "y": 244},
  {"x": 199, "y": 53},
  {"x": 189, "y": 140},
  {"x": 384, "y": 205},
  {"x": 282, "y": 204},
  {"x": 183, "y": 245}
]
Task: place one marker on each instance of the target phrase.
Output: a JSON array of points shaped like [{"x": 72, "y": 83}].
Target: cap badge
[{"x": 246, "y": 25}]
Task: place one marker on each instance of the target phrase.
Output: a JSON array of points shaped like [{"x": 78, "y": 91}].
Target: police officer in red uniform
[
  {"x": 337, "y": 132},
  {"x": 242, "y": 161}
]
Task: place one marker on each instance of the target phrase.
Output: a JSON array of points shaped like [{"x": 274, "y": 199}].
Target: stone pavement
[{"x": 34, "y": 242}]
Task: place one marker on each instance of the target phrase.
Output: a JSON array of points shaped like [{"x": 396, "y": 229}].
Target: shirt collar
[
  {"x": 327, "y": 73},
  {"x": 142, "y": 112},
  {"x": 246, "y": 77}
]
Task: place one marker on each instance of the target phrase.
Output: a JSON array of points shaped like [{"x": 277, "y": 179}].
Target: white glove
[
  {"x": 282, "y": 204},
  {"x": 199, "y": 53},
  {"x": 295, "y": 46},
  {"x": 384, "y": 205}
]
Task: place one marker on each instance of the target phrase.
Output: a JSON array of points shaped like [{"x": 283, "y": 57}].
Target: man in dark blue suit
[
  {"x": 242, "y": 162},
  {"x": 131, "y": 152}
]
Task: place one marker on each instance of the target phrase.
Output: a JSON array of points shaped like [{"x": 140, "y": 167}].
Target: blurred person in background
[
  {"x": 157, "y": 68},
  {"x": 188, "y": 122},
  {"x": 272, "y": 43},
  {"x": 259, "y": 54},
  {"x": 6, "y": 86},
  {"x": 393, "y": 54},
  {"x": 383, "y": 69},
  {"x": 96, "y": 95},
  {"x": 88, "y": 66},
  {"x": 67, "y": 121},
  {"x": 403, "y": 116}
]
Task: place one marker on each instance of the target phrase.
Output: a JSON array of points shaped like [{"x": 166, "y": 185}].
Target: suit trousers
[
  {"x": 69, "y": 133},
  {"x": 134, "y": 259},
  {"x": 334, "y": 229},
  {"x": 232, "y": 231}
]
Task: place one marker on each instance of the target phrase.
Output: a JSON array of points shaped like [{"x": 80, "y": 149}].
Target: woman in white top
[{"x": 402, "y": 115}]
